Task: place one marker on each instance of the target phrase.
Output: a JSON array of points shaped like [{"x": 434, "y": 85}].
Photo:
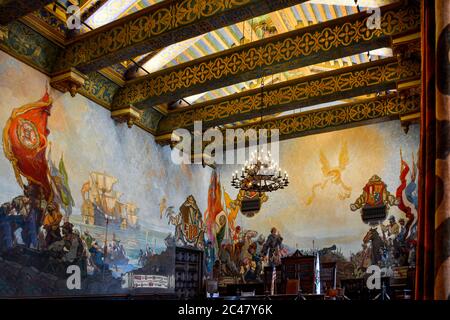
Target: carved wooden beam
[
  {"x": 159, "y": 26},
  {"x": 71, "y": 81},
  {"x": 130, "y": 116},
  {"x": 383, "y": 108},
  {"x": 90, "y": 8},
  {"x": 306, "y": 46},
  {"x": 324, "y": 87},
  {"x": 11, "y": 10}
]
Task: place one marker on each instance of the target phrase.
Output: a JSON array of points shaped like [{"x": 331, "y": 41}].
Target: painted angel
[{"x": 333, "y": 175}]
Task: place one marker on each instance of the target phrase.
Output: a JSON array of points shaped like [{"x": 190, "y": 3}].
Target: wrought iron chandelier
[{"x": 260, "y": 174}]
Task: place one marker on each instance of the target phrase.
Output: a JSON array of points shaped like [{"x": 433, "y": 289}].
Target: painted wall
[
  {"x": 90, "y": 141},
  {"x": 326, "y": 218}
]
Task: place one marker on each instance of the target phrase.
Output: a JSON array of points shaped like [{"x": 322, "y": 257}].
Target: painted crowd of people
[
  {"x": 246, "y": 255},
  {"x": 32, "y": 223}
]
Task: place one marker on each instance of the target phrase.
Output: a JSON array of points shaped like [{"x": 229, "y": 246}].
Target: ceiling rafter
[
  {"x": 90, "y": 8},
  {"x": 341, "y": 116},
  {"x": 338, "y": 117},
  {"x": 324, "y": 87},
  {"x": 251, "y": 60},
  {"x": 157, "y": 26}
]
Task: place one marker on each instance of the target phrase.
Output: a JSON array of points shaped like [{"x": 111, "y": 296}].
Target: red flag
[
  {"x": 214, "y": 204},
  {"x": 400, "y": 194},
  {"x": 25, "y": 143}
]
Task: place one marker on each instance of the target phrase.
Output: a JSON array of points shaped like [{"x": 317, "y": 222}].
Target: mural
[
  {"x": 80, "y": 192},
  {"x": 332, "y": 175},
  {"x": 189, "y": 226},
  {"x": 77, "y": 189},
  {"x": 318, "y": 211},
  {"x": 232, "y": 251}
]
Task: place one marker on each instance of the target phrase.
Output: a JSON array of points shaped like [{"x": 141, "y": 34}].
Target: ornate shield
[
  {"x": 190, "y": 232},
  {"x": 375, "y": 194},
  {"x": 374, "y": 191},
  {"x": 28, "y": 134}
]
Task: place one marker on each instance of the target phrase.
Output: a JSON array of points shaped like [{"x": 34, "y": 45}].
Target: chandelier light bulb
[{"x": 259, "y": 174}]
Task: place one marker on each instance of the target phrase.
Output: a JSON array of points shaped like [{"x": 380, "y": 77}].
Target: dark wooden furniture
[
  {"x": 399, "y": 286},
  {"x": 268, "y": 272},
  {"x": 328, "y": 274},
  {"x": 355, "y": 289},
  {"x": 300, "y": 267},
  {"x": 402, "y": 283},
  {"x": 188, "y": 273},
  {"x": 292, "y": 286}
]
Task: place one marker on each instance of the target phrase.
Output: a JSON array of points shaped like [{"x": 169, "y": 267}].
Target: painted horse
[{"x": 377, "y": 244}]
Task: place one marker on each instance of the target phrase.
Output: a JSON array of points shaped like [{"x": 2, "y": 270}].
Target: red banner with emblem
[{"x": 25, "y": 143}]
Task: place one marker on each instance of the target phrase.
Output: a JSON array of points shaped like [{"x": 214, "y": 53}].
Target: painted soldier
[
  {"x": 272, "y": 244},
  {"x": 52, "y": 221}
]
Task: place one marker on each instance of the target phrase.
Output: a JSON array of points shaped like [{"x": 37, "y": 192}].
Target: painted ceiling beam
[
  {"x": 379, "y": 109},
  {"x": 344, "y": 83},
  {"x": 383, "y": 108},
  {"x": 158, "y": 26},
  {"x": 299, "y": 48},
  {"x": 90, "y": 7},
  {"x": 11, "y": 10}
]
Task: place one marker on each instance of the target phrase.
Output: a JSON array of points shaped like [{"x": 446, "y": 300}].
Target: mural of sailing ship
[{"x": 102, "y": 205}]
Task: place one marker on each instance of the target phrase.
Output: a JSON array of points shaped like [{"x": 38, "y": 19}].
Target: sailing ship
[{"x": 102, "y": 205}]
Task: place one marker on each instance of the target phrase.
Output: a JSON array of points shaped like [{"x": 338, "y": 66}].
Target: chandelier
[{"x": 260, "y": 174}]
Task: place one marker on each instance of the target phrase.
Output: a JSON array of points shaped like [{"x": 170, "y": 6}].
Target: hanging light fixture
[{"x": 260, "y": 174}]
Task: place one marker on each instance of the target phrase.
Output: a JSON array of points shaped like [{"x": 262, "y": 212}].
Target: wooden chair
[{"x": 292, "y": 286}]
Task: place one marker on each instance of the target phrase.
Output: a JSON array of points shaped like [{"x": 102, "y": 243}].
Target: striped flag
[
  {"x": 274, "y": 280},
  {"x": 317, "y": 274}
]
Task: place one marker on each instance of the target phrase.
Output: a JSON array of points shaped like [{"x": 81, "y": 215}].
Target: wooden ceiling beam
[
  {"x": 357, "y": 80},
  {"x": 343, "y": 116},
  {"x": 11, "y": 10},
  {"x": 383, "y": 108},
  {"x": 299, "y": 48},
  {"x": 91, "y": 7},
  {"x": 403, "y": 106},
  {"x": 158, "y": 26},
  {"x": 388, "y": 107}
]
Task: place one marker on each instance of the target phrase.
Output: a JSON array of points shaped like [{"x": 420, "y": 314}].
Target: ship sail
[
  {"x": 103, "y": 182},
  {"x": 131, "y": 214},
  {"x": 101, "y": 202},
  {"x": 109, "y": 204}
]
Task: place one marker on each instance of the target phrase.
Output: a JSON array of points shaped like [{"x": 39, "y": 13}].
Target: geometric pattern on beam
[
  {"x": 338, "y": 117},
  {"x": 378, "y": 109},
  {"x": 344, "y": 83},
  {"x": 159, "y": 26},
  {"x": 306, "y": 46}
]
